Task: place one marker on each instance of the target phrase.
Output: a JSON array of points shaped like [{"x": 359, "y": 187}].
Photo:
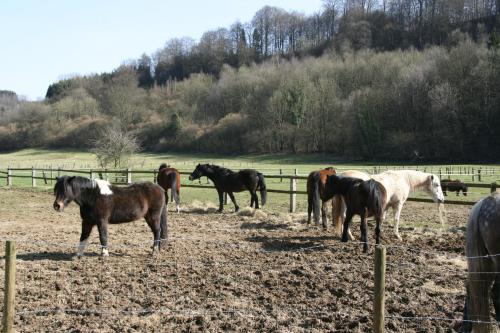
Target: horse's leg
[
  {"x": 364, "y": 238},
  {"x": 221, "y": 200},
  {"x": 309, "y": 209},
  {"x": 177, "y": 199},
  {"x": 397, "y": 213},
  {"x": 236, "y": 207},
  {"x": 324, "y": 217},
  {"x": 256, "y": 199},
  {"x": 153, "y": 220},
  {"x": 466, "y": 324},
  {"x": 84, "y": 237},
  {"x": 377, "y": 230},
  {"x": 103, "y": 237},
  {"x": 495, "y": 294},
  {"x": 347, "y": 221}
]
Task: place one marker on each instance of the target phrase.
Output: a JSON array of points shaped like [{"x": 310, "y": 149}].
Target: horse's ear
[{"x": 432, "y": 177}]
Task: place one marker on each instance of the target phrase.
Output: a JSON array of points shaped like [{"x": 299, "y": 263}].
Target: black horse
[
  {"x": 229, "y": 181},
  {"x": 365, "y": 198},
  {"x": 453, "y": 186},
  {"x": 101, "y": 204}
]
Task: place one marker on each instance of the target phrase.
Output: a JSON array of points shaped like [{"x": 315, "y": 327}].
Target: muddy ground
[{"x": 230, "y": 272}]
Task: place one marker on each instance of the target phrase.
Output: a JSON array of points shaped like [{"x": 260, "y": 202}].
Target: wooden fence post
[
  {"x": 293, "y": 195},
  {"x": 33, "y": 175},
  {"x": 9, "y": 176},
  {"x": 129, "y": 176},
  {"x": 10, "y": 287},
  {"x": 154, "y": 176},
  {"x": 379, "y": 293},
  {"x": 493, "y": 187},
  {"x": 281, "y": 173},
  {"x": 479, "y": 175}
]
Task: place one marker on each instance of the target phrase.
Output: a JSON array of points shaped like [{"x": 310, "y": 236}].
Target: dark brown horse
[
  {"x": 315, "y": 192},
  {"x": 228, "y": 181},
  {"x": 101, "y": 204},
  {"x": 365, "y": 198},
  {"x": 453, "y": 186},
  {"x": 170, "y": 178},
  {"x": 483, "y": 262}
]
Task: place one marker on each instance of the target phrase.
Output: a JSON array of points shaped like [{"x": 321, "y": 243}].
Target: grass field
[{"x": 267, "y": 164}]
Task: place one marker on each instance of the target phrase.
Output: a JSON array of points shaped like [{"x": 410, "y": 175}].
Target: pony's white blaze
[
  {"x": 81, "y": 247},
  {"x": 103, "y": 186},
  {"x": 105, "y": 252}
]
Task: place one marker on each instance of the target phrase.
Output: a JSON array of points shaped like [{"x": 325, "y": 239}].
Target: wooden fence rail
[{"x": 125, "y": 177}]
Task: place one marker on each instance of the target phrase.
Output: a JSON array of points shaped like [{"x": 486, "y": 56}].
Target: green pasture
[{"x": 267, "y": 164}]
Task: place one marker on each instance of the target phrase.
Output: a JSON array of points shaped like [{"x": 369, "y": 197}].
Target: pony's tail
[
  {"x": 376, "y": 196},
  {"x": 163, "y": 225},
  {"x": 263, "y": 190},
  {"x": 172, "y": 180},
  {"x": 478, "y": 285},
  {"x": 313, "y": 196},
  {"x": 162, "y": 166}
]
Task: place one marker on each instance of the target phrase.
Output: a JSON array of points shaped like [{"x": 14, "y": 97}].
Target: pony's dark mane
[
  {"x": 219, "y": 169},
  {"x": 343, "y": 184}
]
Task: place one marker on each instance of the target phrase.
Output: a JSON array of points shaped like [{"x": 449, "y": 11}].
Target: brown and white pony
[
  {"x": 170, "y": 178},
  {"x": 398, "y": 185},
  {"x": 102, "y": 204}
]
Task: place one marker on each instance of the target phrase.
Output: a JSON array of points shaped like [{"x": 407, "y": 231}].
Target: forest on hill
[{"x": 373, "y": 79}]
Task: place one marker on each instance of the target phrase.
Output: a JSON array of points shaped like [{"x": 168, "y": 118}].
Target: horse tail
[
  {"x": 478, "y": 284},
  {"x": 162, "y": 166},
  {"x": 376, "y": 196},
  {"x": 172, "y": 181},
  {"x": 263, "y": 190},
  {"x": 163, "y": 224},
  {"x": 313, "y": 196}
]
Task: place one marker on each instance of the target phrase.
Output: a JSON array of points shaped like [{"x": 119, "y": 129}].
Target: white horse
[{"x": 398, "y": 184}]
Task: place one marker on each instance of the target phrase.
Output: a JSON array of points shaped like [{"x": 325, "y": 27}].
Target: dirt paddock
[{"x": 254, "y": 271}]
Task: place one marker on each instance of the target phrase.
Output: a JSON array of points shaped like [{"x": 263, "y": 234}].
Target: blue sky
[{"x": 42, "y": 41}]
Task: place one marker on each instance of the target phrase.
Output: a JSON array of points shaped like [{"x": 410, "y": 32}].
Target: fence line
[{"x": 126, "y": 177}]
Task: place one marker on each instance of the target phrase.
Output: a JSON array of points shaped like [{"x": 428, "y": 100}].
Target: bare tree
[{"x": 114, "y": 147}]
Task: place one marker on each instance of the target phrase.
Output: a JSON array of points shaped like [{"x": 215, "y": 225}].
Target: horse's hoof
[
  {"x": 344, "y": 240},
  {"x": 237, "y": 210},
  {"x": 399, "y": 238}
]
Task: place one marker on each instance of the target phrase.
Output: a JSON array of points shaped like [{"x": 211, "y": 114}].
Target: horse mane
[
  {"x": 417, "y": 180},
  {"x": 219, "y": 169},
  {"x": 163, "y": 166}
]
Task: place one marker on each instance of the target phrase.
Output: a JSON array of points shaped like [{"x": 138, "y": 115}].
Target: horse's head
[
  {"x": 64, "y": 192},
  {"x": 434, "y": 189},
  {"x": 198, "y": 172}
]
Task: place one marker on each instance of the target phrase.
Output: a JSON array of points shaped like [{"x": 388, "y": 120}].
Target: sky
[{"x": 44, "y": 41}]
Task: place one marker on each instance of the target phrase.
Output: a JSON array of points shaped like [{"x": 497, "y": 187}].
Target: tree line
[{"x": 396, "y": 80}]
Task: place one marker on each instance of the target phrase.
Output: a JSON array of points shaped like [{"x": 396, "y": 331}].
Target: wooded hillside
[{"x": 372, "y": 79}]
